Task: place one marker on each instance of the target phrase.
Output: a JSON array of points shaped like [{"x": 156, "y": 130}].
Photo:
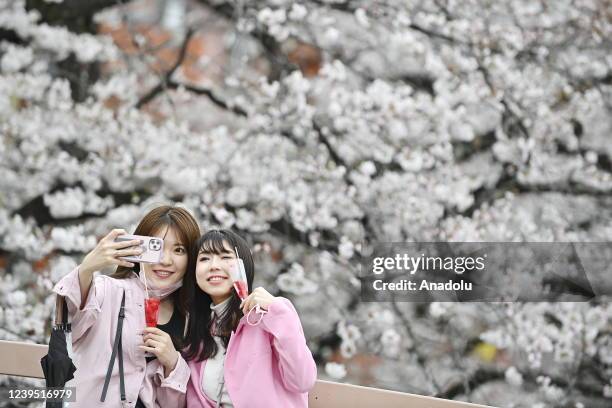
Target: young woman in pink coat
[
  {"x": 260, "y": 363},
  {"x": 94, "y": 305}
]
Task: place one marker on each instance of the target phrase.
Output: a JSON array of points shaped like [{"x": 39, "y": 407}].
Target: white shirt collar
[{"x": 218, "y": 309}]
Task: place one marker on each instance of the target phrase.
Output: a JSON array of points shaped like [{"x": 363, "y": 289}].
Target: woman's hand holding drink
[
  {"x": 156, "y": 341},
  {"x": 159, "y": 343}
]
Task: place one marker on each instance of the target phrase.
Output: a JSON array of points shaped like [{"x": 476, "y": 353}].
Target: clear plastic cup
[
  {"x": 151, "y": 308},
  {"x": 239, "y": 279}
]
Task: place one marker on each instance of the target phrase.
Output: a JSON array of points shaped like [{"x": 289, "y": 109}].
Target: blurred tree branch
[{"x": 76, "y": 15}]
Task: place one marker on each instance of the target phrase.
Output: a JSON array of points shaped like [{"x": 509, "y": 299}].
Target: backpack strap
[{"x": 117, "y": 348}]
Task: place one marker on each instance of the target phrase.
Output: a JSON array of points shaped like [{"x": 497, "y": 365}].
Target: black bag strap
[
  {"x": 61, "y": 314},
  {"x": 117, "y": 348}
]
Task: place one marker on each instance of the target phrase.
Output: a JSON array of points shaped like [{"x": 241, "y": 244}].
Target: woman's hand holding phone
[
  {"x": 108, "y": 252},
  {"x": 105, "y": 254}
]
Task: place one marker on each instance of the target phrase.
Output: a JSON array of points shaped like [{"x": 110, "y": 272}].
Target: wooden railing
[{"x": 23, "y": 359}]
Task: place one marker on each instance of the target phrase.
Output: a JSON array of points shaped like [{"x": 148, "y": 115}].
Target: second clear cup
[{"x": 239, "y": 279}]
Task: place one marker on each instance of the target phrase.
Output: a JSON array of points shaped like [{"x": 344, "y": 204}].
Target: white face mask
[
  {"x": 155, "y": 291},
  {"x": 258, "y": 311}
]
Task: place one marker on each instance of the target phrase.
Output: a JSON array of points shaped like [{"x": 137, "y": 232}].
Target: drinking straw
[{"x": 145, "y": 280}]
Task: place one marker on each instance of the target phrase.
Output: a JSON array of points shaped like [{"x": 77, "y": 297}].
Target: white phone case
[{"x": 152, "y": 248}]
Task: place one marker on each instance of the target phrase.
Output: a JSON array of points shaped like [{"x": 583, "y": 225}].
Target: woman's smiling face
[
  {"x": 173, "y": 264},
  {"x": 213, "y": 273}
]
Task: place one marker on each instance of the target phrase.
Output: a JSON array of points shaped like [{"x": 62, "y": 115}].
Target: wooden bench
[{"x": 23, "y": 359}]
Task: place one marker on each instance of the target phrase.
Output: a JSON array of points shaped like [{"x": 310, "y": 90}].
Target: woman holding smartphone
[
  {"x": 249, "y": 353},
  {"x": 95, "y": 306}
]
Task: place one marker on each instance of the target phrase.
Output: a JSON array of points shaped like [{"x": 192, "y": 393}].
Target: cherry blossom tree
[{"x": 316, "y": 127}]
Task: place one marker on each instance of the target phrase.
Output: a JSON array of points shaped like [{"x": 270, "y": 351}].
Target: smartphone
[{"x": 152, "y": 248}]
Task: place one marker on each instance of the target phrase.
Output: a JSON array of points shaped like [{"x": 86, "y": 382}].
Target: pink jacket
[
  {"x": 93, "y": 333},
  {"x": 266, "y": 366}
]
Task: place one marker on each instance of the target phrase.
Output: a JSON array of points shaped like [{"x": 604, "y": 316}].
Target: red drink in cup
[
  {"x": 241, "y": 288},
  {"x": 151, "y": 307},
  {"x": 239, "y": 279}
]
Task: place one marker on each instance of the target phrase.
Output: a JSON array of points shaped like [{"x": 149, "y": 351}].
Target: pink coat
[
  {"x": 266, "y": 366},
  {"x": 93, "y": 333}
]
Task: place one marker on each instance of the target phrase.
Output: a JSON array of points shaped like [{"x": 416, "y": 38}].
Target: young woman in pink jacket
[
  {"x": 262, "y": 362},
  {"x": 95, "y": 303}
]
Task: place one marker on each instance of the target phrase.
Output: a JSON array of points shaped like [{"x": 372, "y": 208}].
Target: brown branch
[
  {"x": 12, "y": 37},
  {"x": 483, "y": 375},
  {"x": 421, "y": 359},
  {"x": 76, "y": 15},
  {"x": 210, "y": 94},
  {"x": 72, "y": 8},
  {"x": 279, "y": 62},
  {"x": 339, "y": 161},
  {"x": 182, "y": 53},
  {"x": 478, "y": 378},
  {"x": 167, "y": 77}
]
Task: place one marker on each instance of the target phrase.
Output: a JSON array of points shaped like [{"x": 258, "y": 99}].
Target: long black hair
[{"x": 199, "y": 340}]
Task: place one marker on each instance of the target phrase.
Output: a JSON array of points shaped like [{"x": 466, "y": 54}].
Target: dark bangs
[
  {"x": 214, "y": 242},
  {"x": 167, "y": 223}
]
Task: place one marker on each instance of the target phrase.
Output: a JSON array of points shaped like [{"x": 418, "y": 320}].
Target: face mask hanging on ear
[{"x": 156, "y": 291}]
